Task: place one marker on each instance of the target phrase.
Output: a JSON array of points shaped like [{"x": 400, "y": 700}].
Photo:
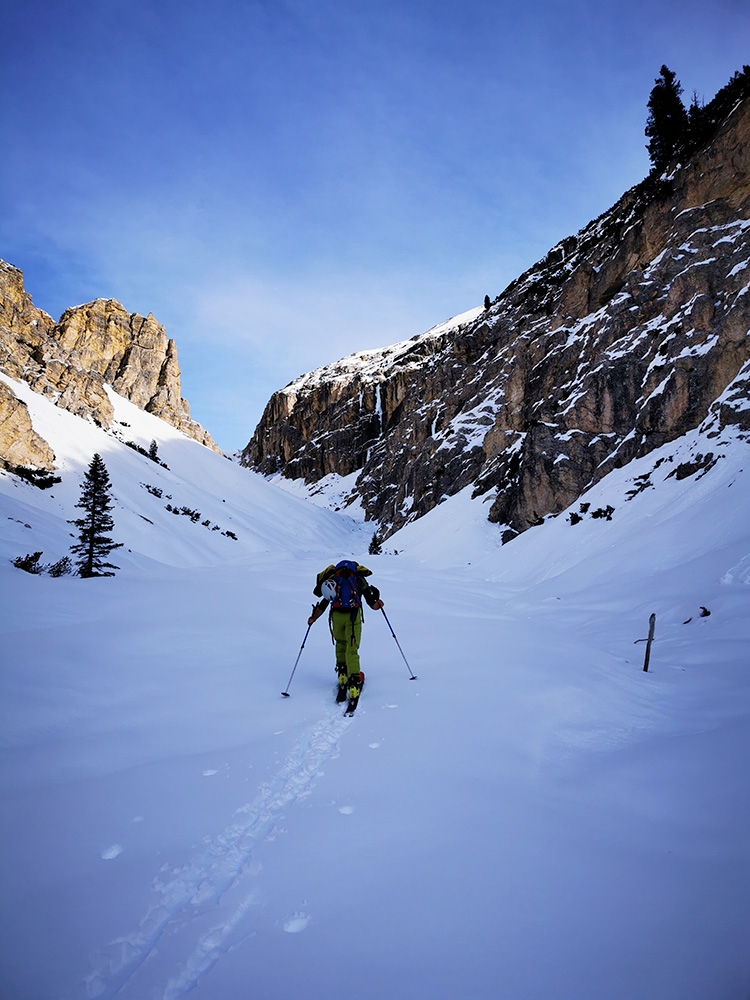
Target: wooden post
[{"x": 651, "y": 627}]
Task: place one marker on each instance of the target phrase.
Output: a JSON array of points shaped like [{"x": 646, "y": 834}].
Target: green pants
[{"x": 346, "y": 635}]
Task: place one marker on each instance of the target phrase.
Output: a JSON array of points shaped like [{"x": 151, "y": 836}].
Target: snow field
[{"x": 533, "y": 817}]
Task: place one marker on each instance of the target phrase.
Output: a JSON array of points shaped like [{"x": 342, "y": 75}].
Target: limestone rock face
[
  {"x": 19, "y": 442},
  {"x": 619, "y": 341},
  {"x": 92, "y": 345}
]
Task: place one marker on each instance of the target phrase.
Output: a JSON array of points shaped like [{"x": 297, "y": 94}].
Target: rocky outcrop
[
  {"x": 618, "y": 341},
  {"x": 20, "y": 445},
  {"x": 92, "y": 346}
]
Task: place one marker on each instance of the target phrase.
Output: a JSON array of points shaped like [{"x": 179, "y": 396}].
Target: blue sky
[{"x": 282, "y": 182}]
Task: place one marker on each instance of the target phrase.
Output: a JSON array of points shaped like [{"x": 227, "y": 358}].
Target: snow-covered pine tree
[{"x": 94, "y": 543}]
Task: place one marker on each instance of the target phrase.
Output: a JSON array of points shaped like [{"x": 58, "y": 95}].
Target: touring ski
[{"x": 351, "y": 706}]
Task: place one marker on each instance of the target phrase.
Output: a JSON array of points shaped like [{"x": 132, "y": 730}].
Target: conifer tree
[
  {"x": 376, "y": 545},
  {"x": 94, "y": 543},
  {"x": 667, "y": 122}
]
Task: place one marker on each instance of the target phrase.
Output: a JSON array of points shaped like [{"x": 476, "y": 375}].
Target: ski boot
[
  {"x": 354, "y": 690},
  {"x": 341, "y": 677}
]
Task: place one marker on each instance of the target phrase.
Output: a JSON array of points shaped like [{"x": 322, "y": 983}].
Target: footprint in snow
[{"x": 296, "y": 923}]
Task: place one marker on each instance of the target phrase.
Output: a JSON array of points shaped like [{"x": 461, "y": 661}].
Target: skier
[{"x": 343, "y": 586}]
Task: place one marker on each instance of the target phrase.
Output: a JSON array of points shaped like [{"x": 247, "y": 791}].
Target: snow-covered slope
[
  {"x": 533, "y": 817},
  {"x": 194, "y": 479}
]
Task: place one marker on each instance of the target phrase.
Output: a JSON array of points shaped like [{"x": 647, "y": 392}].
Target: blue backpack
[{"x": 343, "y": 588}]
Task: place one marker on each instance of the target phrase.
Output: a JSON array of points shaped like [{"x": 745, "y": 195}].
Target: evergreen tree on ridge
[{"x": 667, "y": 122}]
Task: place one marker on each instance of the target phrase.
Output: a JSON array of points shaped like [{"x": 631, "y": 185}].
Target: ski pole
[
  {"x": 412, "y": 676},
  {"x": 286, "y": 692}
]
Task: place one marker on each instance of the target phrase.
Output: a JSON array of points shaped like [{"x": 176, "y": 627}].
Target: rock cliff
[
  {"x": 91, "y": 346},
  {"x": 19, "y": 442},
  {"x": 618, "y": 341}
]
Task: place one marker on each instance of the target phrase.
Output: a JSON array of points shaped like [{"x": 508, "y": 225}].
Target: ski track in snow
[{"x": 217, "y": 867}]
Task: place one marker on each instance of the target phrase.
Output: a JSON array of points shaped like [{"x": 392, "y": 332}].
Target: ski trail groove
[{"x": 215, "y": 868}]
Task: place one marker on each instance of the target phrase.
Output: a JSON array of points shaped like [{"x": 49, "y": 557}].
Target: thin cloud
[{"x": 283, "y": 183}]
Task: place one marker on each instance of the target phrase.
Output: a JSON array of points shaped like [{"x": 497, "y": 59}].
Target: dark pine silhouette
[
  {"x": 667, "y": 122},
  {"x": 94, "y": 544}
]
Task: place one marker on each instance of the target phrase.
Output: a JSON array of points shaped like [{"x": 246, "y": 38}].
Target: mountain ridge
[
  {"x": 72, "y": 361},
  {"x": 618, "y": 340}
]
